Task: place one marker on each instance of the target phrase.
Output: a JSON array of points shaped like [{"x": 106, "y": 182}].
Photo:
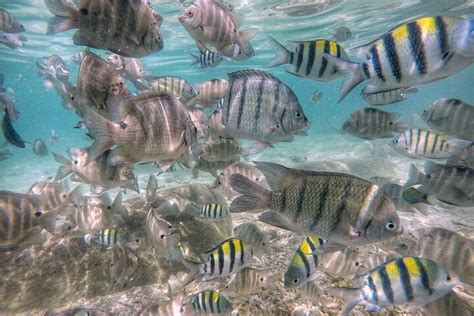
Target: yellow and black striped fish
[
  {"x": 413, "y": 53},
  {"x": 304, "y": 262},
  {"x": 307, "y": 61},
  {"x": 214, "y": 211},
  {"x": 406, "y": 280},
  {"x": 423, "y": 143},
  {"x": 210, "y": 301},
  {"x": 108, "y": 237}
]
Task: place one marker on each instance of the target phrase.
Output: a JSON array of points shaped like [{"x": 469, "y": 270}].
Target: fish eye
[
  {"x": 403, "y": 246},
  {"x": 298, "y": 114},
  {"x": 64, "y": 196},
  {"x": 390, "y": 123},
  {"x": 263, "y": 243},
  {"x": 448, "y": 278},
  {"x": 261, "y": 279},
  {"x": 162, "y": 236},
  {"x": 38, "y": 214},
  {"x": 109, "y": 207},
  {"x": 76, "y": 162},
  {"x": 126, "y": 172},
  {"x": 190, "y": 13},
  {"x": 137, "y": 240},
  {"x": 295, "y": 281},
  {"x": 390, "y": 226}
]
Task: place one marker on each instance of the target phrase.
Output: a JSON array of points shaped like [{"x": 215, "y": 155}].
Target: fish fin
[
  {"x": 275, "y": 219},
  {"x": 415, "y": 176},
  {"x": 283, "y": 54},
  {"x": 48, "y": 220},
  {"x": 243, "y": 40},
  {"x": 88, "y": 238},
  {"x": 351, "y": 69},
  {"x": 400, "y": 126},
  {"x": 254, "y": 196},
  {"x": 80, "y": 38},
  {"x": 328, "y": 247},
  {"x": 65, "y": 16},
  {"x": 411, "y": 90},
  {"x": 351, "y": 297},
  {"x": 432, "y": 167},
  {"x": 394, "y": 116},
  {"x": 456, "y": 145},
  {"x": 195, "y": 59},
  {"x": 118, "y": 156},
  {"x": 253, "y": 149},
  {"x": 63, "y": 172},
  {"x": 118, "y": 108},
  {"x": 422, "y": 207},
  {"x": 361, "y": 52},
  {"x": 237, "y": 18},
  {"x": 373, "y": 308},
  {"x": 103, "y": 130},
  {"x": 133, "y": 185},
  {"x": 118, "y": 207},
  {"x": 278, "y": 177}
]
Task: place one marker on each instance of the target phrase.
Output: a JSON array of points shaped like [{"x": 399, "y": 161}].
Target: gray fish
[
  {"x": 163, "y": 237},
  {"x": 5, "y": 154},
  {"x": 316, "y": 96},
  {"x": 6, "y": 103},
  {"x": 449, "y": 184},
  {"x": 312, "y": 292},
  {"x": 207, "y": 59},
  {"x": 464, "y": 158},
  {"x": 372, "y": 123},
  {"x": 259, "y": 107},
  {"x": 9, "y": 132},
  {"x": 387, "y": 97},
  {"x": 307, "y": 60},
  {"x": 129, "y": 68},
  {"x": 310, "y": 202},
  {"x": 201, "y": 122},
  {"x": 211, "y": 167},
  {"x": 449, "y": 248},
  {"x": 123, "y": 266},
  {"x": 53, "y": 67},
  {"x": 170, "y": 85},
  {"x": 220, "y": 150},
  {"x": 407, "y": 199},
  {"x": 127, "y": 28},
  {"x": 97, "y": 172},
  {"x": 452, "y": 117},
  {"x": 77, "y": 57},
  {"x": 172, "y": 307},
  {"x": 249, "y": 281},
  {"x": 22, "y": 216},
  {"x": 151, "y": 188},
  {"x": 39, "y": 148},
  {"x": 209, "y": 92},
  {"x": 8, "y": 23},
  {"x": 53, "y": 193},
  {"x": 216, "y": 125},
  {"x": 66, "y": 91},
  {"x": 53, "y": 137},
  {"x": 12, "y": 40},
  {"x": 253, "y": 235},
  {"x": 449, "y": 304},
  {"x": 341, "y": 34}
]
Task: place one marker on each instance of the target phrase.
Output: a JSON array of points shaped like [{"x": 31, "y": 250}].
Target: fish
[
  {"x": 200, "y": 120},
  {"x": 212, "y": 167},
  {"x": 140, "y": 135},
  {"x": 423, "y": 143},
  {"x": 417, "y": 52},
  {"x": 9, "y": 132},
  {"x": 12, "y": 40},
  {"x": 66, "y": 91},
  {"x": 127, "y": 28},
  {"x": 123, "y": 266},
  {"x": 77, "y": 57},
  {"x": 307, "y": 60},
  {"x": 452, "y": 250},
  {"x": 249, "y": 281},
  {"x": 209, "y": 92},
  {"x": 341, "y": 34},
  {"x": 97, "y": 172},
  {"x": 370, "y": 123},
  {"x": 54, "y": 193},
  {"x": 408, "y": 280},
  {"x": 214, "y": 27},
  {"x": 99, "y": 86},
  {"x": 107, "y": 237},
  {"x": 407, "y": 199},
  {"x": 222, "y": 181},
  {"x": 210, "y": 301},
  {"x": 449, "y": 184},
  {"x": 53, "y": 137},
  {"x": 341, "y": 208},
  {"x": 304, "y": 263},
  {"x": 171, "y": 85},
  {"x": 388, "y": 97},
  {"x": 8, "y": 23},
  {"x": 207, "y": 59},
  {"x": 260, "y": 107},
  {"x": 6, "y": 102},
  {"x": 216, "y": 129},
  {"x": 22, "y": 217},
  {"x": 220, "y": 150},
  {"x": 129, "y": 68},
  {"x": 39, "y": 148},
  {"x": 312, "y": 292},
  {"x": 451, "y": 116},
  {"x": 174, "y": 306},
  {"x": 316, "y": 96},
  {"x": 214, "y": 211},
  {"x": 79, "y": 311},
  {"x": 464, "y": 158},
  {"x": 53, "y": 67},
  {"x": 5, "y": 154},
  {"x": 450, "y": 304},
  {"x": 254, "y": 236},
  {"x": 151, "y": 188}
]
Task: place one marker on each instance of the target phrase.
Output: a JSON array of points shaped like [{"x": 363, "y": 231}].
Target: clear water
[{"x": 41, "y": 110}]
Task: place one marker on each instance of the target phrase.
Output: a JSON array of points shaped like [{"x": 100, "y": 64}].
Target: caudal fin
[
  {"x": 415, "y": 176},
  {"x": 103, "y": 131},
  {"x": 253, "y": 198},
  {"x": 352, "y": 70},
  {"x": 283, "y": 54},
  {"x": 65, "y": 16},
  {"x": 117, "y": 206},
  {"x": 63, "y": 170},
  {"x": 456, "y": 145}
]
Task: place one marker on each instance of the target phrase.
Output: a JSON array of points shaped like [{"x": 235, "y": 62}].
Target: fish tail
[
  {"x": 283, "y": 54},
  {"x": 456, "y": 145},
  {"x": 253, "y": 198},
  {"x": 351, "y": 297},
  {"x": 253, "y": 149},
  {"x": 48, "y": 221},
  {"x": 88, "y": 238},
  {"x": 178, "y": 281},
  {"x": 63, "y": 170},
  {"x": 415, "y": 176},
  {"x": 400, "y": 126},
  {"x": 65, "y": 16},
  {"x": 118, "y": 207},
  {"x": 195, "y": 59},
  {"x": 103, "y": 131},
  {"x": 244, "y": 41},
  {"x": 352, "y": 69}
]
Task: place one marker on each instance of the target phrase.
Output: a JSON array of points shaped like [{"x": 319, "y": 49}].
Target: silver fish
[
  {"x": 387, "y": 97},
  {"x": 216, "y": 125},
  {"x": 53, "y": 137},
  {"x": 254, "y": 236},
  {"x": 151, "y": 188},
  {"x": 464, "y": 158},
  {"x": 123, "y": 266},
  {"x": 12, "y": 40},
  {"x": 211, "y": 167},
  {"x": 163, "y": 237},
  {"x": 170, "y": 85},
  {"x": 8, "y": 23},
  {"x": 53, "y": 67},
  {"x": 129, "y": 68},
  {"x": 54, "y": 193},
  {"x": 249, "y": 281},
  {"x": 341, "y": 34},
  {"x": 372, "y": 123},
  {"x": 39, "y": 148},
  {"x": 172, "y": 307},
  {"x": 6, "y": 102},
  {"x": 209, "y": 92},
  {"x": 223, "y": 180},
  {"x": 220, "y": 150},
  {"x": 316, "y": 96},
  {"x": 66, "y": 91},
  {"x": 207, "y": 59}
]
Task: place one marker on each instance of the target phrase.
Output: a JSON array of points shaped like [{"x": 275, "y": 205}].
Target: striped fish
[
  {"x": 211, "y": 302},
  {"x": 212, "y": 167},
  {"x": 174, "y": 306},
  {"x": 216, "y": 127},
  {"x": 53, "y": 67},
  {"x": 423, "y": 143},
  {"x": 250, "y": 281},
  {"x": 12, "y": 40},
  {"x": 220, "y": 150},
  {"x": 214, "y": 211},
  {"x": 9, "y": 132},
  {"x": 55, "y": 193},
  {"x": 304, "y": 263},
  {"x": 6, "y": 102},
  {"x": 108, "y": 237},
  {"x": 151, "y": 188},
  {"x": 210, "y": 92},
  {"x": 449, "y": 184},
  {"x": 171, "y": 85},
  {"x": 409, "y": 280},
  {"x": 447, "y": 247},
  {"x": 259, "y": 107},
  {"x": 207, "y": 59},
  {"x": 128, "y": 28},
  {"x": 8, "y": 23},
  {"x": 307, "y": 60},
  {"x": 387, "y": 97},
  {"x": 413, "y": 53},
  {"x": 452, "y": 117},
  {"x": 254, "y": 236},
  {"x": 39, "y": 148},
  {"x": 163, "y": 237},
  {"x": 464, "y": 158},
  {"x": 223, "y": 180},
  {"x": 123, "y": 266},
  {"x": 312, "y": 292},
  {"x": 341, "y": 34}
]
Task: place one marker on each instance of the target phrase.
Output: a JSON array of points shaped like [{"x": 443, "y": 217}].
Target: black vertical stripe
[
  {"x": 418, "y": 138},
  {"x": 425, "y": 280},
  {"x": 365, "y": 69},
  {"x": 311, "y": 57},
  {"x": 283, "y": 202},
  {"x": 299, "y": 57},
  {"x": 322, "y": 202},
  {"x": 292, "y": 56},
  {"x": 232, "y": 255},
  {"x": 392, "y": 56},
  {"x": 386, "y": 284},
  {"x": 203, "y": 301},
  {"x": 305, "y": 261},
  {"x": 214, "y": 208},
  {"x": 417, "y": 47},
  {"x": 373, "y": 288},
  {"x": 338, "y": 51},
  {"x": 241, "y": 252},
  {"x": 243, "y": 94},
  {"x": 376, "y": 63},
  {"x": 425, "y": 147},
  {"x": 435, "y": 142},
  {"x": 220, "y": 259},
  {"x": 212, "y": 262},
  {"x": 300, "y": 201},
  {"x": 227, "y": 104},
  {"x": 324, "y": 62},
  {"x": 211, "y": 301},
  {"x": 256, "y": 120},
  {"x": 218, "y": 304},
  {"x": 442, "y": 39},
  {"x": 405, "y": 278},
  {"x": 277, "y": 98}
]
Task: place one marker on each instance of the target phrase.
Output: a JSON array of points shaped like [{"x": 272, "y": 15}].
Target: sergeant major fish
[
  {"x": 464, "y": 158},
  {"x": 209, "y": 301},
  {"x": 53, "y": 193},
  {"x": 341, "y": 34},
  {"x": 108, "y": 238},
  {"x": 170, "y": 85},
  {"x": 249, "y": 281},
  {"x": 207, "y": 59},
  {"x": 222, "y": 181},
  {"x": 8, "y": 23},
  {"x": 209, "y": 92},
  {"x": 387, "y": 97}
]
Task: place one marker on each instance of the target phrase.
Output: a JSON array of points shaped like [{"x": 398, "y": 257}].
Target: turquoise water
[{"x": 41, "y": 109}]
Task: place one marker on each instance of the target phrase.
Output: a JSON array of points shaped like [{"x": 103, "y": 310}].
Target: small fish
[
  {"x": 54, "y": 193},
  {"x": 312, "y": 292},
  {"x": 108, "y": 237},
  {"x": 220, "y": 150},
  {"x": 163, "y": 237},
  {"x": 39, "y": 148},
  {"x": 341, "y": 34},
  {"x": 8, "y": 23},
  {"x": 211, "y": 302},
  {"x": 171, "y": 85},
  {"x": 407, "y": 199},
  {"x": 214, "y": 211},
  {"x": 6, "y": 102},
  {"x": 450, "y": 304},
  {"x": 53, "y": 137},
  {"x": 9, "y": 132},
  {"x": 77, "y": 57},
  {"x": 452, "y": 117},
  {"x": 316, "y": 96},
  {"x": 310, "y": 202},
  {"x": 5, "y": 154},
  {"x": 307, "y": 60},
  {"x": 413, "y": 53},
  {"x": 372, "y": 123},
  {"x": 123, "y": 266},
  {"x": 249, "y": 281},
  {"x": 387, "y": 97},
  {"x": 151, "y": 188},
  {"x": 413, "y": 196},
  {"x": 254, "y": 236},
  {"x": 207, "y": 59},
  {"x": 464, "y": 158},
  {"x": 200, "y": 120},
  {"x": 449, "y": 184},
  {"x": 216, "y": 125},
  {"x": 12, "y": 40},
  {"x": 423, "y": 143},
  {"x": 408, "y": 280},
  {"x": 212, "y": 167},
  {"x": 53, "y": 67},
  {"x": 174, "y": 306},
  {"x": 129, "y": 68},
  {"x": 222, "y": 181},
  {"x": 130, "y": 28},
  {"x": 66, "y": 91},
  {"x": 209, "y": 92}
]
